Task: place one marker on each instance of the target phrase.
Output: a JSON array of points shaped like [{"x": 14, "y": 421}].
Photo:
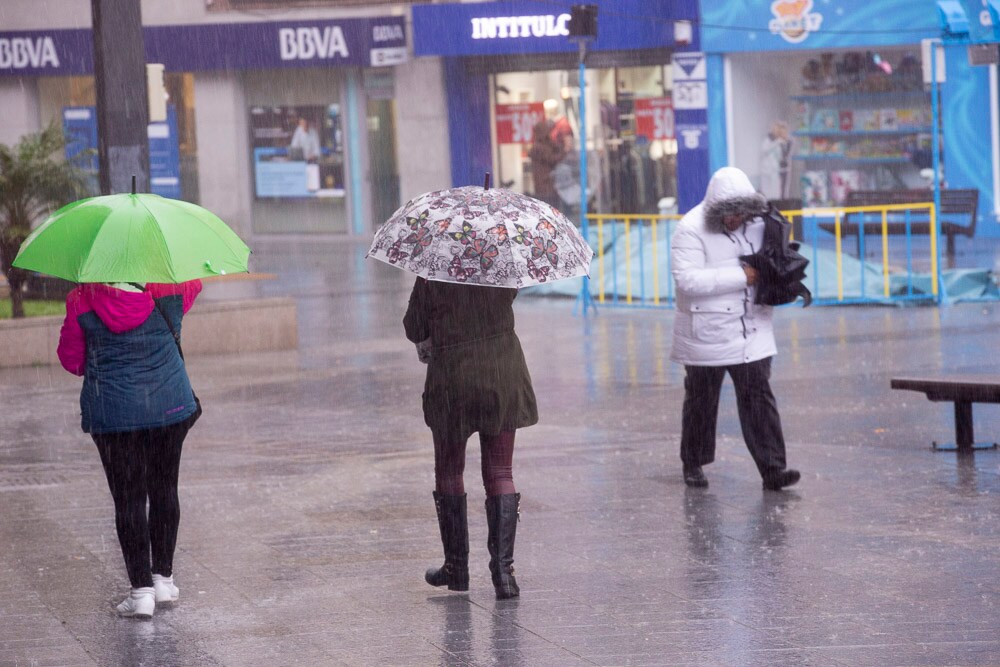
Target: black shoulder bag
[{"x": 177, "y": 339}]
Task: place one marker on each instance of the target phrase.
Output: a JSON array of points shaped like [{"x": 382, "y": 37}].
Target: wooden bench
[
  {"x": 956, "y": 204},
  {"x": 963, "y": 391}
]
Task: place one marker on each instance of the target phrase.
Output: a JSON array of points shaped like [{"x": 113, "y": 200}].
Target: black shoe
[
  {"x": 454, "y": 525},
  {"x": 502, "y": 514},
  {"x": 695, "y": 477},
  {"x": 779, "y": 480}
]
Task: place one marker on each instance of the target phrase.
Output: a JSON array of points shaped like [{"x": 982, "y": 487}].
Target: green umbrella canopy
[{"x": 133, "y": 238}]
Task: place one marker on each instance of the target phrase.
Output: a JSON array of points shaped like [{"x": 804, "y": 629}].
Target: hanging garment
[{"x": 780, "y": 267}]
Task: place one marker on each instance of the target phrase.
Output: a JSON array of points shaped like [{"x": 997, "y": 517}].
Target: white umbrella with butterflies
[{"x": 482, "y": 236}]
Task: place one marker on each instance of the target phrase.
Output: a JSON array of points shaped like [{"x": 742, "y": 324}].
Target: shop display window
[
  {"x": 173, "y": 147},
  {"x": 824, "y": 124},
  {"x": 631, "y": 146},
  {"x": 297, "y": 151}
]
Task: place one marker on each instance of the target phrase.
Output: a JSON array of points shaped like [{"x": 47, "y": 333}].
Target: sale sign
[
  {"x": 516, "y": 121},
  {"x": 654, "y": 118}
]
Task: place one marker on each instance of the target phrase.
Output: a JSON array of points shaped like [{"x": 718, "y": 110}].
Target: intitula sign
[
  {"x": 504, "y": 27},
  {"x": 522, "y": 27}
]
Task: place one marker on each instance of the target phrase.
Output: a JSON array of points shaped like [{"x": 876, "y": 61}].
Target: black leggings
[
  {"x": 141, "y": 466},
  {"x": 497, "y": 464}
]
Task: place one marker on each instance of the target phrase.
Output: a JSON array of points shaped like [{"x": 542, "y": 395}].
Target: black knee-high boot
[
  {"x": 453, "y": 520},
  {"x": 501, "y": 518}
]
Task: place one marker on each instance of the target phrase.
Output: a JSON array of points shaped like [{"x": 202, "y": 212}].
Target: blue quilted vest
[{"x": 135, "y": 380}]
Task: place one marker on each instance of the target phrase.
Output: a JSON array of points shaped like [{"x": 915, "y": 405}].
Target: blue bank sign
[
  {"x": 525, "y": 26},
  {"x": 368, "y": 42}
]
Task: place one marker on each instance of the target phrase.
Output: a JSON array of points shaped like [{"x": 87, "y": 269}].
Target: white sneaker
[
  {"x": 165, "y": 589},
  {"x": 140, "y": 603}
]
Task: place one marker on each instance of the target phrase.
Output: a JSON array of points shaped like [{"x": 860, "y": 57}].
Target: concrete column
[
  {"x": 19, "y": 109},
  {"x": 221, "y": 128},
  {"x": 422, "y": 127}
]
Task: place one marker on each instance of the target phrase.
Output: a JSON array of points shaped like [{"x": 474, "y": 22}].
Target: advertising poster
[
  {"x": 298, "y": 152},
  {"x": 164, "y": 157},
  {"x": 516, "y": 121},
  {"x": 654, "y": 118},
  {"x": 80, "y": 130}
]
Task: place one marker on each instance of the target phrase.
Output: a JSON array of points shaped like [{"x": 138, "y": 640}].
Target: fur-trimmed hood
[{"x": 730, "y": 192}]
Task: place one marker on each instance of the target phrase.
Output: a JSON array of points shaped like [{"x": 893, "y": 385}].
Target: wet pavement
[{"x": 307, "y": 518}]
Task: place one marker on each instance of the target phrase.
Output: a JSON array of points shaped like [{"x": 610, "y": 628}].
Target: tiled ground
[{"x": 308, "y": 521}]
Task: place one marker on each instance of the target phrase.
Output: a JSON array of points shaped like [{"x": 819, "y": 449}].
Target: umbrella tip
[
  {"x": 133, "y": 183},
  {"x": 486, "y": 185}
]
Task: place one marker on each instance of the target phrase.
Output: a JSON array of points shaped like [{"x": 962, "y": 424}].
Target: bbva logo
[
  {"x": 310, "y": 43},
  {"x": 23, "y": 52}
]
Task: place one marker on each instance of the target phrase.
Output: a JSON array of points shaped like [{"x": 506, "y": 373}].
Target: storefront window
[
  {"x": 631, "y": 147},
  {"x": 813, "y": 126},
  {"x": 297, "y": 151},
  {"x": 173, "y": 149}
]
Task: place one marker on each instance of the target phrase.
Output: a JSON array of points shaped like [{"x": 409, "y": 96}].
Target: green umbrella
[{"x": 133, "y": 238}]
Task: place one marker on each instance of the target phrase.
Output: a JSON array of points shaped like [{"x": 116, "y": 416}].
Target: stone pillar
[
  {"x": 222, "y": 129},
  {"x": 19, "y": 108},
  {"x": 120, "y": 86}
]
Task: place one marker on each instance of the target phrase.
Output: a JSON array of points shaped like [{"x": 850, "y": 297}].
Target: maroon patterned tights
[{"x": 497, "y": 456}]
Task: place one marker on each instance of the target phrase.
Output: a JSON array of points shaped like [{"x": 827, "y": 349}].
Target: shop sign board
[
  {"x": 363, "y": 42},
  {"x": 515, "y": 122},
  {"x": 298, "y": 152},
  {"x": 654, "y": 118},
  {"x": 984, "y": 20},
  {"x": 692, "y": 137},
  {"x": 733, "y": 26},
  {"x": 527, "y": 26},
  {"x": 690, "y": 86}
]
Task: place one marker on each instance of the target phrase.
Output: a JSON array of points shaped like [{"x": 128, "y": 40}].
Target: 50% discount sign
[
  {"x": 516, "y": 122},
  {"x": 654, "y": 118}
]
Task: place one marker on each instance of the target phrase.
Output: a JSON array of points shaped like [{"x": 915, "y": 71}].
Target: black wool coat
[{"x": 477, "y": 379}]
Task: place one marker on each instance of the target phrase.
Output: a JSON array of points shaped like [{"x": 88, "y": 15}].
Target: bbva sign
[
  {"x": 24, "y": 52},
  {"x": 312, "y": 43}
]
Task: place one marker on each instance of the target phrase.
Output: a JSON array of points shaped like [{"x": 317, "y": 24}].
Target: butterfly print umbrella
[{"x": 489, "y": 237}]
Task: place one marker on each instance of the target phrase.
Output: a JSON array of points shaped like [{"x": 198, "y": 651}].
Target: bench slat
[{"x": 970, "y": 388}]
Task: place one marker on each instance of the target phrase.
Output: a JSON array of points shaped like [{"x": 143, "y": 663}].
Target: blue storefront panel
[
  {"x": 748, "y": 26},
  {"x": 784, "y": 25},
  {"x": 458, "y": 31}
]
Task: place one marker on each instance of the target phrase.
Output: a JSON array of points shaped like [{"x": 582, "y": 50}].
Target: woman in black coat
[{"x": 477, "y": 380}]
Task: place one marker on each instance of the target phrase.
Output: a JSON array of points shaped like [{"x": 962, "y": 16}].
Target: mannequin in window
[
  {"x": 545, "y": 154},
  {"x": 774, "y": 155}
]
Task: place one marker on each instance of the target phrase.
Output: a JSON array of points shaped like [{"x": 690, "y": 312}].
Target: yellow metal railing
[
  {"x": 836, "y": 214},
  {"x": 611, "y": 227},
  {"x": 659, "y": 226}
]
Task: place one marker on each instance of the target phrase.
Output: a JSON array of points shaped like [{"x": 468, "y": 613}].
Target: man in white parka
[{"x": 718, "y": 329}]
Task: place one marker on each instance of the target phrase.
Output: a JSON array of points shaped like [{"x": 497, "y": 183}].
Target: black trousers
[
  {"x": 143, "y": 466},
  {"x": 755, "y": 403}
]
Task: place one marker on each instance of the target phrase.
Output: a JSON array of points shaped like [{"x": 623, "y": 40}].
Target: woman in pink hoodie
[{"x": 137, "y": 405}]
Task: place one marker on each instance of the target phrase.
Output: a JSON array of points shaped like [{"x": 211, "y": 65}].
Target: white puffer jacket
[{"x": 717, "y": 322}]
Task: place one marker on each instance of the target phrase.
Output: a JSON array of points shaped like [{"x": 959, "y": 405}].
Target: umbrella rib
[
  {"x": 163, "y": 238},
  {"x": 86, "y": 258}
]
